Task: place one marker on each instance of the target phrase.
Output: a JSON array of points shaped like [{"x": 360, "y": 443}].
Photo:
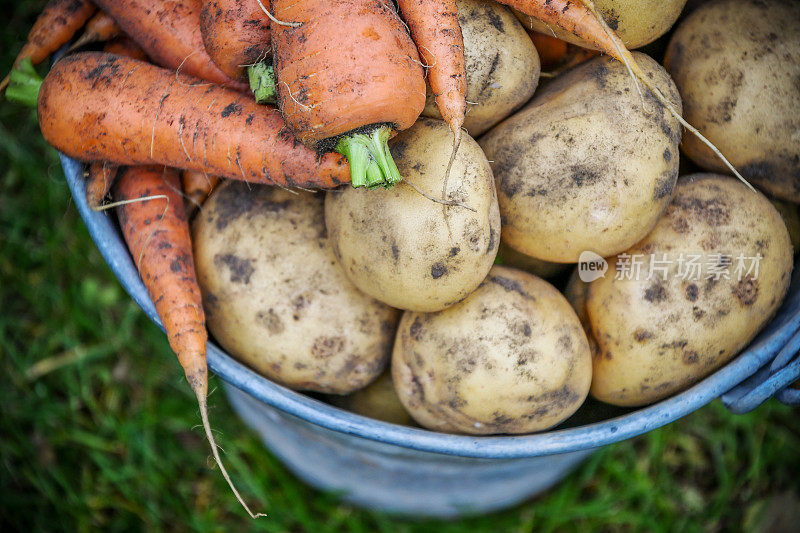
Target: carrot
[
  {"x": 196, "y": 186},
  {"x": 169, "y": 32},
  {"x": 552, "y": 50},
  {"x": 580, "y": 17},
  {"x": 557, "y": 55},
  {"x": 348, "y": 77},
  {"x": 235, "y": 34},
  {"x": 56, "y": 25},
  {"x": 436, "y": 32},
  {"x": 125, "y": 46},
  {"x": 98, "y": 183},
  {"x": 95, "y": 106},
  {"x": 153, "y": 221},
  {"x": 100, "y": 27}
]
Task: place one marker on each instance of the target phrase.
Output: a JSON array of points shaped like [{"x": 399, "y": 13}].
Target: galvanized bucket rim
[{"x": 106, "y": 236}]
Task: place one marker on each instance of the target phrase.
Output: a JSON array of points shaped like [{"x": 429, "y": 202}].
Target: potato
[
  {"x": 379, "y": 401},
  {"x": 666, "y": 328},
  {"x": 637, "y": 22},
  {"x": 512, "y": 258},
  {"x": 404, "y": 249},
  {"x": 583, "y": 167},
  {"x": 737, "y": 66},
  {"x": 275, "y": 297},
  {"x": 511, "y": 358},
  {"x": 501, "y": 62}
]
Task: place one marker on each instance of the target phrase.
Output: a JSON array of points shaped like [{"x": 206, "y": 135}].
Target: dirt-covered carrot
[
  {"x": 436, "y": 32},
  {"x": 100, "y": 178},
  {"x": 235, "y": 34},
  {"x": 169, "y": 32},
  {"x": 56, "y": 25},
  {"x": 100, "y": 27},
  {"x": 581, "y": 18},
  {"x": 196, "y": 187},
  {"x": 125, "y": 46},
  {"x": 95, "y": 106},
  {"x": 153, "y": 222},
  {"x": 348, "y": 76}
]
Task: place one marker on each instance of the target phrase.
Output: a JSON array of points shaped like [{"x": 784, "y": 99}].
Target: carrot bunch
[{"x": 168, "y": 95}]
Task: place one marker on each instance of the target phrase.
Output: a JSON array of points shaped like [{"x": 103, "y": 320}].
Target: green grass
[{"x": 105, "y": 436}]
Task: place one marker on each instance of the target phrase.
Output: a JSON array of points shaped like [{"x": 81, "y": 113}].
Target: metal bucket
[{"x": 414, "y": 471}]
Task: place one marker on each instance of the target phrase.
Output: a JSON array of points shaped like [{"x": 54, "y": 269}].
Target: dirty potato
[
  {"x": 711, "y": 274},
  {"x": 737, "y": 66},
  {"x": 501, "y": 62},
  {"x": 276, "y": 299},
  {"x": 511, "y": 358},
  {"x": 637, "y": 22},
  {"x": 378, "y": 400},
  {"x": 584, "y": 166},
  {"x": 406, "y": 250}
]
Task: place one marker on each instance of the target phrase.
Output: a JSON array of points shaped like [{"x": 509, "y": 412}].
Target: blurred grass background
[{"x": 99, "y": 430}]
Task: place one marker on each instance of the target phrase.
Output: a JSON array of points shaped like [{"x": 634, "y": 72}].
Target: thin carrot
[
  {"x": 196, "y": 187},
  {"x": 169, "y": 32},
  {"x": 125, "y": 46},
  {"x": 56, "y": 25},
  {"x": 100, "y": 27},
  {"x": 437, "y": 33},
  {"x": 557, "y": 55},
  {"x": 348, "y": 77},
  {"x": 581, "y": 18},
  {"x": 153, "y": 221},
  {"x": 235, "y": 34},
  {"x": 95, "y": 106},
  {"x": 98, "y": 183}
]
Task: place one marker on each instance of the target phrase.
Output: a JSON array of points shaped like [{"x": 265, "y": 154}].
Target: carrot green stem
[
  {"x": 371, "y": 163},
  {"x": 262, "y": 82},
  {"x": 24, "y": 84}
]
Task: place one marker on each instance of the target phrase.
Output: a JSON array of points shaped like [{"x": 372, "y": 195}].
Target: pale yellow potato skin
[
  {"x": 511, "y": 358},
  {"x": 395, "y": 244},
  {"x": 583, "y": 167},
  {"x": 637, "y": 22},
  {"x": 501, "y": 61},
  {"x": 737, "y": 65},
  {"x": 378, "y": 400},
  {"x": 658, "y": 336},
  {"x": 275, "y": 297}
]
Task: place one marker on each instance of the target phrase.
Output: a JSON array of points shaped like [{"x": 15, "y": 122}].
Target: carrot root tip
[
  {"x": 262, "y": 82},
  {"x": 371, "y": 162},
  {"x": 24, "y": 84}
]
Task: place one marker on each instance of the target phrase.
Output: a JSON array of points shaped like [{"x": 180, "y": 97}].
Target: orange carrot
[
  {"x": 98, "y": 183},
  {"x": 95, "y": 106},
  {"x": 557, "y": 55},
  {"x": 196, "y": 186},
  {"x": 100, "y": 27},
  {"x": 437, "y": 34},
  {"x": 235, "y": 34},
  {"x": 153, "y": 221},
  {"x": 348, "y": 77},
  {"x": 56, "y": 25},
  {"x": 125, "y": 46},
  {"x": 169, "y": 32}
]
